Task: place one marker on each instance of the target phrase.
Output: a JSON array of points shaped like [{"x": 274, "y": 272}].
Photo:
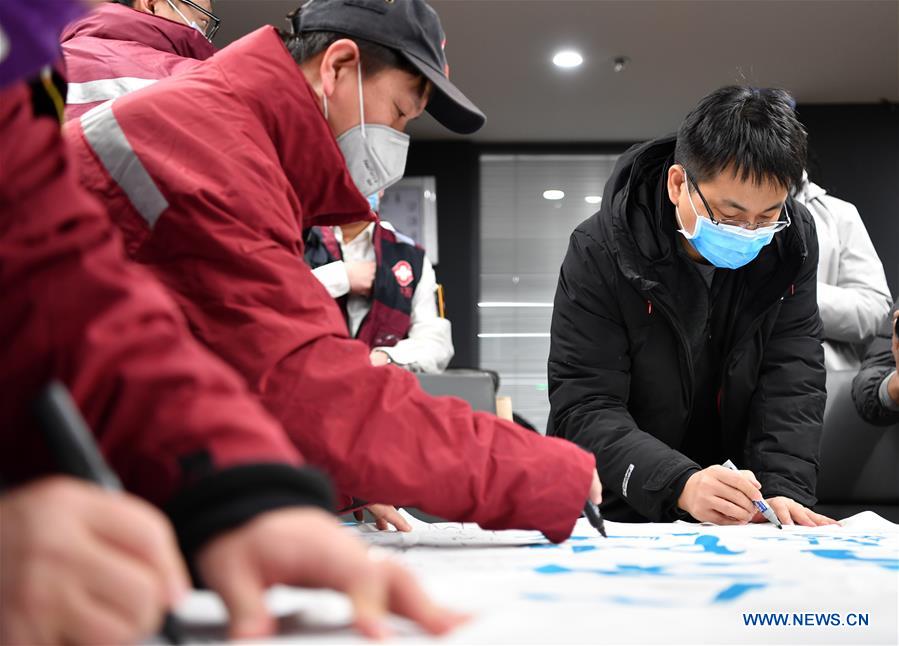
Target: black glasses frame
[
  {"x": 777, "y": 225},
  {"x": 214, "y": 21}
]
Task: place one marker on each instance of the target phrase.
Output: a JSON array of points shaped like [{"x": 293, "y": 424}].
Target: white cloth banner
[{"x": 661, "y": 583}]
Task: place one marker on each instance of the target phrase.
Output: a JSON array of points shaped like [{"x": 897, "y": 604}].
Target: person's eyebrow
[{"x": 743, "y": 209}]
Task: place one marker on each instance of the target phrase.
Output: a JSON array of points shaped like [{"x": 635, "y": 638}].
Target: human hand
[
  {"x": 307, "y": 547},
  {"x": 790, "y": 512},
  {"x": 361, "y": 276},
  {"x": 82, "y": 565},
  {"x": 721, "y": 496},
  {"x": 385, "y": 514},
  {"x": 379, "y": 358}
]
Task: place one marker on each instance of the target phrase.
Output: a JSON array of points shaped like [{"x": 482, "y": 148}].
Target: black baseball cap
[{"x": 409, "y": 27}]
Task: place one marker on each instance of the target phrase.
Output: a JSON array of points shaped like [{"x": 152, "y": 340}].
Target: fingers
[
  {"x": 749, "y": 487},
  {"x": 735, "y": 513},
  {"x": 139, "y": 529},
  {"x": 407, "y": 599},
  {"x": 736, "y": 497},
  {"x": 821, "y": 519},
  {"x": 238, "y": 581},
  {"x": 782, "y": 509},
  {"x": 387, "y": 514},
  {"x": 124, "y": 586},
  {"x": 595, "y": 489},
  {"x": 718, "y": 518},
  {"x": 368, "y": 594},
  {"x": 797, "y": 513},
  {"x": 749, "y": 475},
  {"x": 85, "y": 620}
]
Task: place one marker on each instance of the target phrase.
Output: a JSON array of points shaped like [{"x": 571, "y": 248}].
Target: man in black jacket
[
  {"x": 875, "y": 389},
  {"x": 686, "y": 329}
]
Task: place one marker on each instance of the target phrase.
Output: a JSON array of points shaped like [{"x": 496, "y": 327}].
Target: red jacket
[
  {"x": 215, "y": 173},
  {"x": 172, "y": 419},
  {"x": 115, "y": 50}
]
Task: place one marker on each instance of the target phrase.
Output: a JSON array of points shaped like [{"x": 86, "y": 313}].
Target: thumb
[{"x": 243, "y": 593}]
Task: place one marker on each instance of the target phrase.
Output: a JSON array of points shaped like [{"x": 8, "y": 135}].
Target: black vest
[{"x": 399, "y": 265}]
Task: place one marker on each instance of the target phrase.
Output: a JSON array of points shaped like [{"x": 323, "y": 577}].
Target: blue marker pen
[{"x": 767, "y": 512}]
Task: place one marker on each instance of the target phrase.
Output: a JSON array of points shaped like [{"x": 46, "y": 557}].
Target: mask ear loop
[
  {"x": 189, "y": 23},
  {"x": 361, "y": 96}
]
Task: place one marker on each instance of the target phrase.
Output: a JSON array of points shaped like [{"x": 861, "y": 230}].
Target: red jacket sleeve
[
  {"x": 223, "y": 235},
  {"x": 373, "y": 430},
  {"x": 168, "y": 414}
]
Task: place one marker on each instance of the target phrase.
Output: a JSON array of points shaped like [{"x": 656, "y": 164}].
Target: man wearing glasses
[
  {"x": 127, "y": 45},
  {"x": 686, "y": 330}
]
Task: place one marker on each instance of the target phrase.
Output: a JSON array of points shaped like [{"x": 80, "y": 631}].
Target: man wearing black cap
[{"x": 214, "y": 174}]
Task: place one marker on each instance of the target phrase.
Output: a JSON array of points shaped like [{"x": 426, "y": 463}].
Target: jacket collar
[
  {"x": 808, "y": 190},
  {"x": 265, "y": 76},
  {"x": 113, "y": 21}
]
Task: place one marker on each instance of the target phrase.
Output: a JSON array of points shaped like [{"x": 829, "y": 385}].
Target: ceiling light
[
  {"x": 553, "y": 194},
  {"x": 593, "y": 199},
  {"x": 567, "y": 59}
]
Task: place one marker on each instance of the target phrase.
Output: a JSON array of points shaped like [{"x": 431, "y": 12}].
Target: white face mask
[
  {"x": 375, "y": 155},
  {"x": 189, "y": 23}
]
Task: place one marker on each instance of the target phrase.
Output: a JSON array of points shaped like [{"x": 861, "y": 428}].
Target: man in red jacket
[
  {"x": 84, "y": 566},
  {"x": 117, "y": 49},
  {"x": 213, "y": 174}
]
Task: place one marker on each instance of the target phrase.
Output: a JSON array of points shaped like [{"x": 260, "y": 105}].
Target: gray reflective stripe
[
  {"x": 4, "y": 44},
  {"x": 104, "y": 134},
  {"x": 104, "y": 89}
]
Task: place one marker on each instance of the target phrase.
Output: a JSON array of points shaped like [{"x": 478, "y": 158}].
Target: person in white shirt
[
  {"x": 853, "y": 295},
  {"x": 387, "y": 289}
]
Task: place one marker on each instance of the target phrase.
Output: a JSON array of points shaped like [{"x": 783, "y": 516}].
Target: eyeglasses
[
  {"x": 767, "y": 227},
  {"x": 213, "y": 22}
]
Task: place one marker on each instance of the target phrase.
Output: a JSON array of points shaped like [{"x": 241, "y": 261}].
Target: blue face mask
[
  {"x": 724, "y": 245},
  {"x": 375, "y": 202}
]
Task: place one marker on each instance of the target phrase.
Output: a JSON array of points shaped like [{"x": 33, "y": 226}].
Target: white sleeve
[
  {"x": 855, "y": 306},
  {"x": 334, "y": 277},
  {"x": 429, "y": 345}
]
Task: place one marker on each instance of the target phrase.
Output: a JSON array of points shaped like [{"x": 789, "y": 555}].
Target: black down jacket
[{"x": 621, "y": 368}]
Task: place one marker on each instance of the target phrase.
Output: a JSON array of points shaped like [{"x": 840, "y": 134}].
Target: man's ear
[
  {"x": 146, "y": 6},
  {"x": 676, "y": 182},
  {"x": 340, "y": 58}
]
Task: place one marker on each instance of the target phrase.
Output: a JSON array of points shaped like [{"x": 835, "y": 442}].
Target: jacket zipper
[{"x": 685, "y": 347}]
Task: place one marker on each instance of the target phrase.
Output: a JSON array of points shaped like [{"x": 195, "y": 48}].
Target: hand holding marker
[
  {"x": 767, "y": 512},
  {"x": 73, "y": 446}
]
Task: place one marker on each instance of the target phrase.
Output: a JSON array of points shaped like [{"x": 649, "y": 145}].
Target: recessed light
[
  {"x": 593, "y": 199},
  {"x": 553, "y": 194},
  {"x": 567, "y": 58}
]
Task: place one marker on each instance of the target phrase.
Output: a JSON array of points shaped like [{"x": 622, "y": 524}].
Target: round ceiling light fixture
[
  {"x": 553, "y": 194},
  {"x": 568, "y": 59},
  {"x": 593, "y": 199}
]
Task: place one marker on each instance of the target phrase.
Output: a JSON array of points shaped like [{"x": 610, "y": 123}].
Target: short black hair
[
  {"x": 127, "y": 3},
  {"x": 375, "y": 58},
  {"x": 751, "y": 130}
]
